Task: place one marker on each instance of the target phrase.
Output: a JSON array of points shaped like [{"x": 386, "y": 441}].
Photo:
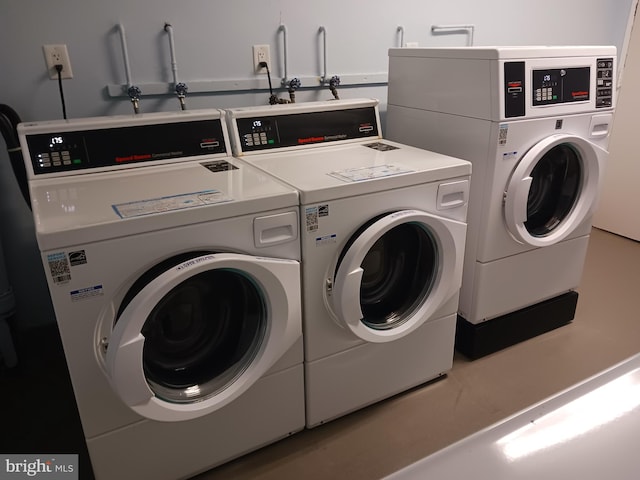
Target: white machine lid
[
  {"x": 588, "y": 432},
  {"x": 505, "y": 52},
  {"x": 128, "y": 175},
  {"x": 329, "y": 150},
  {"x": 338, "y": 171},
  {"x": 86, "y": 208}
]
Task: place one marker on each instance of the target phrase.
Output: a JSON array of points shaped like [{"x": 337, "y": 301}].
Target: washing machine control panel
[
  {"x": 294, "y": 129},
  {"x": 558, "y": 85},
  {"x": 80, "y": 150}
]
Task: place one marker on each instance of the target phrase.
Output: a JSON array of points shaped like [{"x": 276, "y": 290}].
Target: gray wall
[{"x": 213, "y": 42}]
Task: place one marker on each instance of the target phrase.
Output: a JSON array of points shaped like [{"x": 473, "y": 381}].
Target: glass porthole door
[
  {"x": 199, "y": 334},
  {"x": 395, "y": 272},
  {"x": 552, "y": 190}
]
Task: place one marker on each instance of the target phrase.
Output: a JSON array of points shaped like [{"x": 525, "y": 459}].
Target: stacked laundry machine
[
  {"x": 174, "y": 271},
  {"x": 535, "y": 123},
  {"x": 382, "y": 229}
]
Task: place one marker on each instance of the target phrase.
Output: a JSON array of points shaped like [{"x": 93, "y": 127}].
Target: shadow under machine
[
  {"x": 535, "y": 123},
  {"x": 175, "y": 277}
]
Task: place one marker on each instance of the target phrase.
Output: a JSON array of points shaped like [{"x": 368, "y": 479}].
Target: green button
[
  {"x": 271, "y": 141},
  {"x": 77, "y": 161}
]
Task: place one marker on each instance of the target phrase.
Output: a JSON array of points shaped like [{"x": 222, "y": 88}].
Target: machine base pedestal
[{"x": 477, "y": 340}]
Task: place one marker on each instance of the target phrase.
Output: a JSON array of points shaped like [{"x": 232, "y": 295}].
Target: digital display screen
[{"x": 561, "y": 85}]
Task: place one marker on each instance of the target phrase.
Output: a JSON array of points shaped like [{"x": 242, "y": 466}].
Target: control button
[
  {"x": 57, "y": 163},
  {"x": 45, "y": 164},
  {"x": 66, "y": 162}
]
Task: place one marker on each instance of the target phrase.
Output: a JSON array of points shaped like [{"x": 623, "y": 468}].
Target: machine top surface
[
  {"x": 505, "y": 52},
  {"x": 338, "y": 157},
  {"x": 129, "y": 183}
]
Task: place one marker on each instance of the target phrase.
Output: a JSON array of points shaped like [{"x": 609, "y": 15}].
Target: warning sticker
[
  {"x": 170, "y": 203},
  {"x": 502, "y": 134},
  {"x": 85, "y": 293},
  {"x": 368, "y": 173},
  {"x": 59, "y": 267},
  {"x": 311, "y": 218}
]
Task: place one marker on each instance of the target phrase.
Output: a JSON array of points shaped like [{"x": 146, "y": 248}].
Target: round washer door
[
  {"x": 201, "y": 333},
  {"x": 395, "y": 273},
  {"x": 553, "y": 189}
]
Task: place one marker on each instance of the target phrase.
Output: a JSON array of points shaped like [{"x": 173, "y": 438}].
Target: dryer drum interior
[
  {"x": 399, "y": 272},
  {"x": 555, "y": 188},
  {"x": 203, "y": 334}
]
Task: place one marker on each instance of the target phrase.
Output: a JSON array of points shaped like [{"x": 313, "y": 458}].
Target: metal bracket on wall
[
  {"x": 400, "y": 32},
  {"x": 285, "y": 53},
  {"x": 246, "y": 85},
  {"x": 323, "y": 31},
  {"x": 453, "y": 29},
  {"x": 130, "y": 90}
]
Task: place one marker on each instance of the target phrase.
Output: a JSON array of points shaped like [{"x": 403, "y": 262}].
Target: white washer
[
  {"x": 175, "y": 276},
  {"x": 535, "y": 123},
  {"x": 383, "y": 231}
]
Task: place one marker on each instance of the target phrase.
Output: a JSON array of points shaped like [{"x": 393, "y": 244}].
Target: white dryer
[
  {"x": 175, "y": 276},
  {"x": 383, "y": 231},
  {"x": 535, "y": 123}
]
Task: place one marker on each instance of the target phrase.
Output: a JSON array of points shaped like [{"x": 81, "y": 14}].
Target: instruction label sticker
[
  {"x": 59, "y": 267},
  {"x": 326, "y": 240},
  {"x": 502, "y": 134},
  {"x": 509, "y": 155},
  {"x": 311, "y": 218},
  {"x": 170, "y": 203},
  {"x": 86, "y": 293},
  {"x": 368, "y": 173}
]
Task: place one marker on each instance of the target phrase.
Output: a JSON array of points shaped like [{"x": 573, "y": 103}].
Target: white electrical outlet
[
  {"x": 261, "y": 53},
  {"x": 57, "y": 55}
]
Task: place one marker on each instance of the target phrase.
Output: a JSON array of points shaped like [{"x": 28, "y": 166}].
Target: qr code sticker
[
  {"x": 311, "y": 216},
  {"x": 502, "y": 138},
  {"x": 59, "y": 267}
]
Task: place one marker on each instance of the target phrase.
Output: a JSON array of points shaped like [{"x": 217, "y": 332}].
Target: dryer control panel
[{"x": 557, "y": 85}]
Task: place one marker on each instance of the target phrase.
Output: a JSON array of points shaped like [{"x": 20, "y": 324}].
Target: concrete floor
[{"x": 385, "y": 437}]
